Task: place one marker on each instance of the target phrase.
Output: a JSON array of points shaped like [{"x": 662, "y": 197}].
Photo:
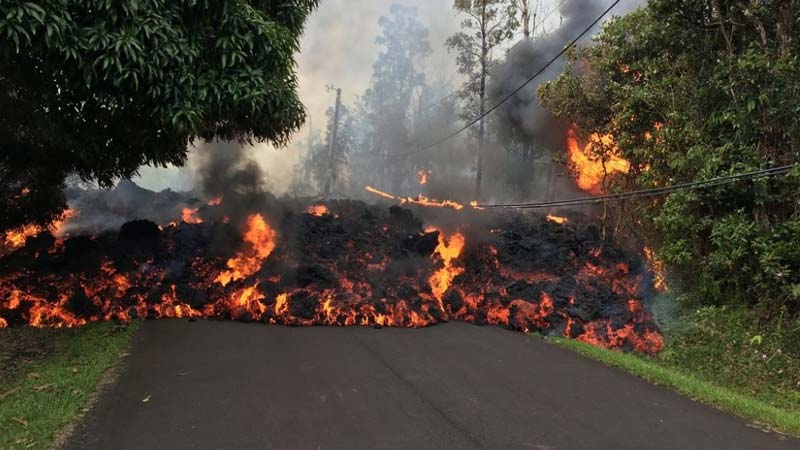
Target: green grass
[
  {"x": 47, "y": 376},
  {"x": 718, "y": 345}
]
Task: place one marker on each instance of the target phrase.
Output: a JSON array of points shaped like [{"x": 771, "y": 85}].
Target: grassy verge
[
  {"x": 720, "y": 357},
  {"x": 47, "y": 376}
]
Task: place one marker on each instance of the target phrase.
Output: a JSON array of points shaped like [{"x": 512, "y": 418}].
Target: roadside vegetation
[
  {"x": 692, "y": 91},
  {"x": 724, "y": 357},
  {"x": 47, "y": 376}
]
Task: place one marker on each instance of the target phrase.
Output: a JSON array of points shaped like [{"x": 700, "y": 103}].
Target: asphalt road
[{"x": 215, "y": 385}]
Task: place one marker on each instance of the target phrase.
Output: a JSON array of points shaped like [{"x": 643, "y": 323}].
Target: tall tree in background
[
  {"x": 694, "y": 90},
  {"x": 97, "y": 88},
  {"x": 396, "y": 76},
  {"x": 528, "y": 13},
  {"x": 489, "y": 24}
]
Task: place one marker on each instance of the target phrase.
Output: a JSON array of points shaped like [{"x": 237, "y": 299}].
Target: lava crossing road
[{"x": 222, "y": 385}]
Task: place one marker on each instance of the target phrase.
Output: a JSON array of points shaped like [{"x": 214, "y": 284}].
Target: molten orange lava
[
  {"x": 557, "y": 219},
  {"x": 188, "y": 215},
  {"x": 261, "y": 238},
  {"x": 448, "y": 250},
  {"x": 57, "y": 225},
  {"x": 590, "y": 169},
  {"x": 318, "y": 210},
  {"x": 16, "y": 238}
]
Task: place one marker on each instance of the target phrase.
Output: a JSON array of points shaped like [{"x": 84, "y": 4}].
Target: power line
[
  {"x": 457, "y": 91},
  {"x": 700, "y": 184},
  {"x": 512, "y": 94}
]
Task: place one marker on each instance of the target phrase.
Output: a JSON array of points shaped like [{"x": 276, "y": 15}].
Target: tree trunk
[
  {"x": 332, "y": 149},
  {"x": 482, "y": 126},
  {"x": 526, "y": 19},
  {"x": 785, "y": 28}
]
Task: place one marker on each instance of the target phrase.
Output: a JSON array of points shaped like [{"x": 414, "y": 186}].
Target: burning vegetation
[
  {"x": 590, "y": 170},
  {"x": 364, "y": 265}
]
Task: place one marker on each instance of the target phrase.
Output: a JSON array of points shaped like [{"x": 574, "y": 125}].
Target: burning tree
[
  {"x": 99, "y": 88},
  {"x": 696, "y": 90}
]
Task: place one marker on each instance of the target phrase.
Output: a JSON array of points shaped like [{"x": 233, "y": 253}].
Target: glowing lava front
[
  {"x": 261, "y": 238},
  {"x": 365, "y": 265}
]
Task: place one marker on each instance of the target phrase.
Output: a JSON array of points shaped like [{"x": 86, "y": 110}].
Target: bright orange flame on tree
[
  {"x": 590, "y": 169},
  {"x": 261, "y": 238},
  {"x": 657, "y": 267}
]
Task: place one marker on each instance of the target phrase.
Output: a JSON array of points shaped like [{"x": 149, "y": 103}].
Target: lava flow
[{"x": 346, "y": 264}]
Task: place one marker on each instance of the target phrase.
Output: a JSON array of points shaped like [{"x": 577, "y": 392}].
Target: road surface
[{"x": 222, "y": 385}]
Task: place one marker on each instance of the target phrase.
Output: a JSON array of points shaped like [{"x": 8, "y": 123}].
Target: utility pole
[{"x": 332, "y": 144}]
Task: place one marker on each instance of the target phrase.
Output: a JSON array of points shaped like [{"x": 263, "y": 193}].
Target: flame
[
  {"x": 318, "y": 210},
  {"x": 589, "y": 168},
  {"x": 420, "y": 200},
  {"x": 657, "y": 267},
  {"x": 478, "y": 284},
  {"x": 17, "y": 237},
  {"x": 57, "y": 226},
  {"x": 372, "y": 190},
  {"x": 557, "y": 219},
  {"x": 448, "y": 250},
  {"x": 188, "y": 215},
  {"x": 281, "y": 304},
  {"x": 216, "y": 201},
  {"x": 261, "y": 238},
  {"x": 423, "y": 176}
]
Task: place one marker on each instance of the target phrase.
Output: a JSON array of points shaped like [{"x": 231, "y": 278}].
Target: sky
[{"x": 338, "y": 48}]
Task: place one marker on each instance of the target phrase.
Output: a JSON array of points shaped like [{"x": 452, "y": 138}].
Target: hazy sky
[{"x": 338, "y": 48}]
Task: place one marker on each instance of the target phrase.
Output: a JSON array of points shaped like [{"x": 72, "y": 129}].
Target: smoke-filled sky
[{"x": 338, "y": 48}]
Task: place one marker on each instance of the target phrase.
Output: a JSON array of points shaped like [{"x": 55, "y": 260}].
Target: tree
[
  {"x": 100, "y": 88},
  {"x": 396, "y": 76},
  {"x": 488, "y": 25},
  {"x": 527, "y": 17},
  {"x": 694, "y": 90}
]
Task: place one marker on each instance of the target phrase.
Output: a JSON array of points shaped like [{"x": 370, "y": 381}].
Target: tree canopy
[
  {"x": 97, "y": 89},
  {"x": 694, "y": 90}
]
